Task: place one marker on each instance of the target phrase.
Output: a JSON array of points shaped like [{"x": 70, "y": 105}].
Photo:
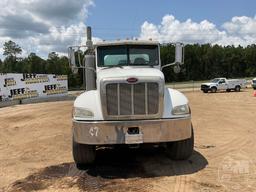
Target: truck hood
[
  {"x": 127, "y": 72},
  {"x": 209, "y": 84}
]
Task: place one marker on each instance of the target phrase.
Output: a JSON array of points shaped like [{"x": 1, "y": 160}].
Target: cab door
[{"x": 222, "y": 84}]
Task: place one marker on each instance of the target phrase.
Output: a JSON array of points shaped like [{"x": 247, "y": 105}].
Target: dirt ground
[{"x": 35, "y": 151}]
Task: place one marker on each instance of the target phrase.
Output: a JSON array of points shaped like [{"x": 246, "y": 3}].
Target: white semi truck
[
  {"x": 126, "y": 101},
  {"x": 220, "y": 84}
]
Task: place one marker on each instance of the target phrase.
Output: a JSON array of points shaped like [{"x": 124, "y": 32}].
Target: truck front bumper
[
  {"x": 116, "y": 132},
  {"x": 205, "y": 88}
]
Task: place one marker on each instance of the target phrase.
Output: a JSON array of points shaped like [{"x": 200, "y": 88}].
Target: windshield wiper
[{"x": 112, "y": 66}]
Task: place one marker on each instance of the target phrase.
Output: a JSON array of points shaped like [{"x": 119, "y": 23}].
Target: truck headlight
[
  {"x": 82, "y": 113},
  {"x": 181, "y": 110}
]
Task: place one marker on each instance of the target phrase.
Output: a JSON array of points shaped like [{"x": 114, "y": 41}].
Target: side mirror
[
  {"x": 76, "y": 57},
  {"x": 179, "y": 58},
  {"x": 176, "y": 68},
  {"x": 72, "y": 60},
  {"x": 179, "y": 53},
  {"x": 71, "y": 56}
]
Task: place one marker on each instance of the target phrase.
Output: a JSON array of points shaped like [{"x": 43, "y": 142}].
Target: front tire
[
  {"x": 181, "y": 150},
  {"x": 83, "y": 154},
  {"x": 213, "y": 89}
]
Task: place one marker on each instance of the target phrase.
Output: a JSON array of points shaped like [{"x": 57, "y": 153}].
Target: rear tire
[
  {"x": 83, "y": 154},
  {"x": 213, "y": 89},
  {"x": 237, "y": 88},
  {"x": 181, "y": 150}
]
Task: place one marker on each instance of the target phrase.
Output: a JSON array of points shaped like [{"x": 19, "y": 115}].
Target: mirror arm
[
  {"x": 83, "y": 67},
  {"x": 90, "y": 68},
  {"x": 168, "y": 65}
]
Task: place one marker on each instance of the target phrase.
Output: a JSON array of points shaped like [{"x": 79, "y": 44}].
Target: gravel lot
[{"x": 35, "y": 151}]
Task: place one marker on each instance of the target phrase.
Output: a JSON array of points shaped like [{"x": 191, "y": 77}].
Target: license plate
[{"x": 133, "y": 138}]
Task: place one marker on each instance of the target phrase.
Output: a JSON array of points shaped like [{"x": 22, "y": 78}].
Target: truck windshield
[
  {"x": 215, "y": 80},
  {"x": 124, "y": 55}
]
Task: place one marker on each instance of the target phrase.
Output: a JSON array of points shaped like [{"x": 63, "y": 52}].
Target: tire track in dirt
[
  {"x": 183, "y": 182},
  {"x": 180, "y": 175},
  {"x": 234, "y": 145}
]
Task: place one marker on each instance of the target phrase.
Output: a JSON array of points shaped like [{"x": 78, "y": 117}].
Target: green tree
[
  {"x": 11, "y": 49},
  {"x": 36, "y": 64}
]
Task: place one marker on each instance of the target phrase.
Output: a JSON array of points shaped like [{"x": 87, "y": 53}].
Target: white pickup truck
[
  {"x": 218, "y": 84},
  {"x": 254, "y": 83}
]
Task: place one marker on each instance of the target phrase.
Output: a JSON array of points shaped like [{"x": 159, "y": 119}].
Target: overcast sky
[{"x": 43, "y": 26}]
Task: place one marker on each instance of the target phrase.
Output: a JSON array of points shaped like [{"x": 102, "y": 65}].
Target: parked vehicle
[
  {"x": 219, "y": 84},
  {"x": 254, "y": 83},
  {"x": 126, "y": 101}
]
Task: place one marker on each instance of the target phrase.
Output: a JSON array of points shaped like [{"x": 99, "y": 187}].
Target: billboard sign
[{"x": 17, "y": 86}]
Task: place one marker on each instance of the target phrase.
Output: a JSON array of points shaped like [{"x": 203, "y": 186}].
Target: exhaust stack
[
  {"x": 89, "y": 63},
  {"x": 89, "y": 37}
]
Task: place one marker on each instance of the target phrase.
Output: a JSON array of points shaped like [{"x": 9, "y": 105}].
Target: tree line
[
  {"x": 201, "y": 62},
  {"x": 54, "y": 64}
]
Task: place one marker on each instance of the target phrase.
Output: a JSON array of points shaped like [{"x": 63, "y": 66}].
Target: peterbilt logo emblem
[{"x": 132, "y": 80}]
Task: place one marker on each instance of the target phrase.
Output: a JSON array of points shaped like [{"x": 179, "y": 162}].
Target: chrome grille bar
[
  {"x": 132, "y": 99},
  {"x": 118, "y": 99},
  {"x": 146, "y": 98}
]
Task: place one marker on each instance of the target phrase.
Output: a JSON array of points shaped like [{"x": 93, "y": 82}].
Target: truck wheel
[
  {"x": 205, "y": 91},
  {"x": 237, "y": 88},
  {"x": 213, "y": 89},
  {"x": 83, "y": 154},
  {"x": 181, "y": 150}
]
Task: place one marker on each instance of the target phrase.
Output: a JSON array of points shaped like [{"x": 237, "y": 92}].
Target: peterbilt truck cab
[{"x": 127, "y": 103}]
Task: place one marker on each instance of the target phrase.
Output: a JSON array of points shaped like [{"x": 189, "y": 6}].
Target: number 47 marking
[{"x": 94, "y": 131}]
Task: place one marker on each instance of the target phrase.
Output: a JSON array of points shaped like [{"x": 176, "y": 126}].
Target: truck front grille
[
  {"x": 123, "y": 99},
  {"x": 204, "y": 86}
]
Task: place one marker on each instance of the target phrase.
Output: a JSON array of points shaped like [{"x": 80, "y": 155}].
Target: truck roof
[{"x": 126, "y": 42}]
